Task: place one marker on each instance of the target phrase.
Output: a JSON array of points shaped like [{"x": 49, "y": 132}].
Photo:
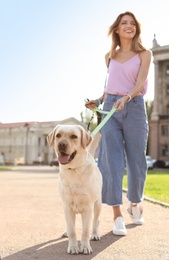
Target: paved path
[{"x": 32, "y": 221}]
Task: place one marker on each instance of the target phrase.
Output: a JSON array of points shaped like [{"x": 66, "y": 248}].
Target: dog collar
[{"x": 74, "y": 169}]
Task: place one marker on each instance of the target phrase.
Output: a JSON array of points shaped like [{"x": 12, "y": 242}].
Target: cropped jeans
[{"x": 123, "y": 145}]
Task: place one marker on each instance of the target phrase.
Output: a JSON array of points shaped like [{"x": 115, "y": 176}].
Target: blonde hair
[{"x": 136, "y": 43}]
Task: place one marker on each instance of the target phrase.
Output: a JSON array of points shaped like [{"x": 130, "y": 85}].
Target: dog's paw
[
  {"x": 73, "y": 250},
  {"x": 95, "y": 237},
  {"x": 85, "y": 249}
]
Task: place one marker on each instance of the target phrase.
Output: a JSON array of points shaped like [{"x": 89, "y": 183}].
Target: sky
[{"x": 52, "y": 53}]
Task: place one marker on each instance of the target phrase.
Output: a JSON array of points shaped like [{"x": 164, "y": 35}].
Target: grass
[
  {"x": 6, "y": 168},
  {"x": 157, "y": 185}
]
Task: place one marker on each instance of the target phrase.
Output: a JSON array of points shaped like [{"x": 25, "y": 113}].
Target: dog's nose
[{"x": 62, "y": 146}]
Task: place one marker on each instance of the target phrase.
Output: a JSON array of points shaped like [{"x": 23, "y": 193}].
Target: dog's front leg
[
  {"x": 85, "y": 247},
  {"x": 97, "y": 210},
  {"x": 72, "y": 242}
]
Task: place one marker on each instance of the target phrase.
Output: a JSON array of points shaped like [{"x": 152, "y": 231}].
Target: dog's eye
[
  {"x": 73, "y": 136},
  {"x": 58, "y": 135}
]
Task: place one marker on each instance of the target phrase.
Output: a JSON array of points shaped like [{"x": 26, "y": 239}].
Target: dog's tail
[{"x": 93, "y": 147}]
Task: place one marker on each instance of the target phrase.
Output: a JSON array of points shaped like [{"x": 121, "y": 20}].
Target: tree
[{"x": 149, "y": 108}]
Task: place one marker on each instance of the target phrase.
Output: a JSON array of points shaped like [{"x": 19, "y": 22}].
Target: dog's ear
[
  {"x": 51, "y": 137},
  {"x": 85, "y": 137}
]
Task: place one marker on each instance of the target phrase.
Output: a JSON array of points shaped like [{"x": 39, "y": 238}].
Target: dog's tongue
[{"x": 63, "y": 159}]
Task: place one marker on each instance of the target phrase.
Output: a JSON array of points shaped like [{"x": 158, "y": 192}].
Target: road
[{"x": 32, "y": 222}]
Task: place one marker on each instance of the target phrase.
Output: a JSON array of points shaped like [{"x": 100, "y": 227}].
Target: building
[
  {"x": 159, "y": 123},
  {"x": 25, "y": 143}
]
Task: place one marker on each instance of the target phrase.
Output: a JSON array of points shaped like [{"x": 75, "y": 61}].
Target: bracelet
[
  {"x": 98, "y": 102},
  {"x": 129, "y": 97}
]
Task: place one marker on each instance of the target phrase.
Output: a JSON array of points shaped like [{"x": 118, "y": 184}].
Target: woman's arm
[{"x": 145, "y": 57}]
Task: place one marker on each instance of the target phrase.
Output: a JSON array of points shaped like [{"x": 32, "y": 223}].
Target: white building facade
[
  {"x": 26, "y": 143},
  {"x": 159, "y": 123}
]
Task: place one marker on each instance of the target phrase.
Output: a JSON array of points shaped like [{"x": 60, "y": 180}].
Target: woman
[{"x": 124, "y": 136}]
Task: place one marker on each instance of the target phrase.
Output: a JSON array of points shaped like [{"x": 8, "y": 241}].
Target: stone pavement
[{"x": 32, "y": 222}]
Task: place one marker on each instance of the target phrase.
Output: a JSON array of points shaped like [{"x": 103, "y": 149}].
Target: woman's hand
[
  {"x": 91, "y": 104},
  {"x": 119, "y": 105}
]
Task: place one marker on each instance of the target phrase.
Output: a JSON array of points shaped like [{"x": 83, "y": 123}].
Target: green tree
[{"x": 149, "y": 108}]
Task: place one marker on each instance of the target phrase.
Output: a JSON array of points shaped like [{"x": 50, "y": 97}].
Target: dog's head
[{"x": 70, "y": 143}]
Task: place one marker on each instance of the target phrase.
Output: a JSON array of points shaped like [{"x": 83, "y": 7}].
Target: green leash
[{"x": 104, "y": 121}]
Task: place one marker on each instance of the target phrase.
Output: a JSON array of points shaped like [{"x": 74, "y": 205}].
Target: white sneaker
[
  {"x": 136, "y": 215},
  {"x": 119, "y": 228}
]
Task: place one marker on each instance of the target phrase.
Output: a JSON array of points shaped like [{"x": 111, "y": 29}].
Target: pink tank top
[{"x": 122, "y": 77}]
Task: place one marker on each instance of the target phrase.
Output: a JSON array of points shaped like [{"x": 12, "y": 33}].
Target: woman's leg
[
  {"x": 135, "y": 136},
  {"x": 111, "y": 160},
  {"x": 116, "y": 212},
  {"x": 111, "y": 163}
]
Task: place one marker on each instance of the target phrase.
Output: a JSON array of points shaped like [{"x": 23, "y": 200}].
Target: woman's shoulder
[{"x": 146, "y": 54}]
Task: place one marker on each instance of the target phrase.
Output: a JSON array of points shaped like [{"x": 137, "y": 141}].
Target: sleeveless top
[{"x": 122, "y": 77}]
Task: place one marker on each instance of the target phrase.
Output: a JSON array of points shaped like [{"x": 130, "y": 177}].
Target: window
[
  {"x": 39, "y": 141},
  {"x": 165, "y": 150},
  {"x": 167, "y": 70},
  {"x": 164, "y": 130},
  {"x": 46, "y": 143},
  {"x": 167, "y": 89}
]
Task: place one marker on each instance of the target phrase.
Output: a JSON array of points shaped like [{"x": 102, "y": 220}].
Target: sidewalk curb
[{"x": 166, "y": 205}]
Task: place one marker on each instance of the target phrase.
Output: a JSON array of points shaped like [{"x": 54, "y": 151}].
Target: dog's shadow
[{"x": 56, "y": 249}]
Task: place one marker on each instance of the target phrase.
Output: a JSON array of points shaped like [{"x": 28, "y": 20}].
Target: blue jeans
[{"x": 123, "y": 144}]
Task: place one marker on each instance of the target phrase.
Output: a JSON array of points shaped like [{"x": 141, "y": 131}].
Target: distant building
[
  {"x": 159, "y": 123},
  {"x": 25, "y": 143}
]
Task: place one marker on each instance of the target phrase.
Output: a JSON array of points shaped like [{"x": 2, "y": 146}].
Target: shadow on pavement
[{"x": 57, "y": 249}]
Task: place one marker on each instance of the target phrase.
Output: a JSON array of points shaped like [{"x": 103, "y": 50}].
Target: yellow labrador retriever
[{"x": 80, "y": 183}]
